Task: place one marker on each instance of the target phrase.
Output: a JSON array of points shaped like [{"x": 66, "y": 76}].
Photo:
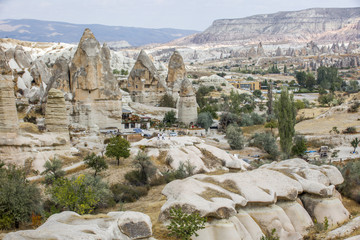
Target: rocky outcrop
[
  {"x": 144, "y": 83},
  {"x": 187, "y": 107},
  {"x": 90, "y": 75},
  {"x": 56, "y": 117},
  {"x": 284, "y": 195},
  {"x": 176, "y": 72},
  {"x": 8, "y": 113},
  {"x": 320, "y": 24},
  {"x": 70, "y": 225}
]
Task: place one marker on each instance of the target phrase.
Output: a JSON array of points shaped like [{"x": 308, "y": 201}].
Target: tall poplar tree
[{"x": 286, "y": 115}]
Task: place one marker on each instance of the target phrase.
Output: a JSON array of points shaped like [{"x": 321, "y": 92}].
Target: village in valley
[{"x": 207, "y": 137}]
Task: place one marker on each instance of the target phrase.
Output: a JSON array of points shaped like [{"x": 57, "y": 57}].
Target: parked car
[
  {"x": 173, "y": 134},
  {"x": 139, "y": 130}
]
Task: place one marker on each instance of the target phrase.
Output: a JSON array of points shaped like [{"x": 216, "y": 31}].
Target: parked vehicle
[{"x": 173, "y": 134}]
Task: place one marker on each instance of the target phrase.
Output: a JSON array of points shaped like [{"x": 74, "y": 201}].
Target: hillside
[
  {"x": 48, "y": 31},
  {"x": 317, "y": 24}
]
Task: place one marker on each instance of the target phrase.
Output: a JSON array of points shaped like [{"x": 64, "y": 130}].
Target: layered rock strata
[
  {"x": 176, "y": 72},
  {"x": 187, "y": 106},
  {"x": 246, "y": 205},
  {"x": 56, "y": 117}
]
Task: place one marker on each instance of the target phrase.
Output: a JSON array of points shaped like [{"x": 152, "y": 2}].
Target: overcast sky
[{"x": 183, "y": 14}]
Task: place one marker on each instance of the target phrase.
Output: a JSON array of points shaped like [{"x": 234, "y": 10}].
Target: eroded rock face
[
  {"x": 176, "y": 72},
  {"x": 90, "y": 76},
  {"x": 187, "y": 107},
  {"x": 8, "y": 113},
  {"x": 70, "y": 225},
  {"x": 56, "y": 119},
  {"x": 144, "y": 83},
  {"x": 265, "y": 198}
]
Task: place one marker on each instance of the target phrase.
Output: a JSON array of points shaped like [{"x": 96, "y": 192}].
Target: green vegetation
[
  {"x": 52, "y": 170},
  {"x": 270, "y": 236},
  {"x": 266, "y": 142},
  {"x": 306, "y": 80},
  {"x": 118, "y": 147},
  {"x": 169, "y": 118},
  {"x": 354, "y": 143},
  {"x": 228, "y": 118},
  {"x": 327, "y": 78},
  {"x": 235, "y": 137},
  {"x": 167, "y": 101},
  {"x": 80, "y": 194},
  {"x": 18, "y": 198},
  {"x": 97, "y": 163},
  {"x": 125, "y": 193},
  {"x": 204, "y": 120},
  {"x": 351, "y": 186},
  {"x": 286, "y": 114},
  {"x": 183, "y": 225},
  {"x": 299, "y": 147}
]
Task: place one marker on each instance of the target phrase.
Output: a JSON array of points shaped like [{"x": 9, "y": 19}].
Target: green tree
[
  {"x": 211, "y": 109},
  {"x": 327, "y": 78},
  {"x": 118, "y": 147},
  {"x": 18, "y": 197},
  {"x": 299, "y": 147},
  {"x": 169, "y": 118},
  {"x": 167, "y": 101},
  {"x": 205, "y": 120},
  {"x": 285, "y": 69},
  {"x": 354, "y": 143},
  {"x": 183, "y": 225},
  {"x": 271, "y": 124},
  {"x": 97, "y": 163},
  {"x": 257, "y": 93},
  {"x": 235, "y": 137},
  {"x": 286, "y": 115},
  {"x": 266, "y": 142},
  {"x": 269, "y": 103},
  {"x": 80, "y": 194},
  {"x": 301, "y": 78},
  {"x": 228, "y": 118},
  {"x": 52, "y": 170},
  {"x": 326, "y": 99}
]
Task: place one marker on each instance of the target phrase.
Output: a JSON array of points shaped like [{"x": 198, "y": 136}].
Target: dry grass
[
  {"x": 212, "y": 193},
  {"x": 250, "y": 130},
  {"x": 227, "y": 185},
  {"x": 210, "y": 160}
]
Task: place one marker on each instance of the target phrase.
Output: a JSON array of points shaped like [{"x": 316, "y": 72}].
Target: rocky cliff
[{"x": 320, "y": 24}]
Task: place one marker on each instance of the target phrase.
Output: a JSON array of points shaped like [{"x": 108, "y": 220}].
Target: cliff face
[{"x": 320, "y": 24}]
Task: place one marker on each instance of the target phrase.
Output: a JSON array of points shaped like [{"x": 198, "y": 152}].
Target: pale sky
[{"x": 182, "y": 14}]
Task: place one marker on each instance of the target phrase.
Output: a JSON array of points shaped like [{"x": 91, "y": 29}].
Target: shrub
[
  {"x": 270, "y": 236},
  {"x": 350, "y": 130},
  {"x": 167, "y": 101},
  {"x": 169, "y": 118},
  {"x": 228, "y": 118},
  {"x": 96, "y": 162},
  {"x": 146, "y": 170},
  {"x": 246, "y": 120},
  {"x": 52, "y": 170},
  {"x": 204, "y": 120},
  {"x": 135, "y": 177},
  {"x": 183, "y": 225},
  {"x": 257, "y": 119},
  {"x": 299, "y": 147},
  {"x": 125, "y": 193},
  {"x": 235, "y": 137},
  {"x": 354, "y": 107},
  {"x": 351, "y": 185},
  {"x": 81, "y": 194},
  {"x": 184, "y": 170},
  {"x": 18, "y": 198},
  {"x": 266, "y": 142}
]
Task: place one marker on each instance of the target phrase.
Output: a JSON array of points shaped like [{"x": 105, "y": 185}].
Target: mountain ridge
[
  {"x": 54, "y": 31},
  {"x": 319, "y": 24}
]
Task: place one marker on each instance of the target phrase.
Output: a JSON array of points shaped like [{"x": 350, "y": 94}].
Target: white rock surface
[
  {"x": 345, "y": 230},
  {"x": 70, "y": 225}
]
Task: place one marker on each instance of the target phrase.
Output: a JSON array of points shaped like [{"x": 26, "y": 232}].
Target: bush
[
  {"x": 184, "y": 170},
  {"x": 169, "y": 118},
  {"x": 351, "y": 185},
  {"x": 246, "y": 120},
  {"x": 204, "y": 120},
  {"x": 299, "y": 147},
  {"x": 124, "y": 193},
  {"x": 350, "y": 130},
  {"x": 235, "y": 137},
  {"x": 270, "y": 236},
  {"x": 183, "y": 225},
  {"x": 354, "y": 107},
  {"x": 266, "y": 142},
  {"x": 135, "y": 178},
  {"x": 146, "y": 170},
  {"x": 52, "y": 170},
  {"x": 18, "y": 198},
  {"x": 167, "y": 101},
  {"x": 257, "y": 119},
  {"x": 97, "y": 163},
  {"x": 228, "y": 118},
  {"x": 81, "y": 194}
]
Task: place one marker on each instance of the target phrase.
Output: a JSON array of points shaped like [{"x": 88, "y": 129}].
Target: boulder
[
  {"x": 321, "y": 208},
  {"x": 345, "y": 230},
  {"x": 176, "y": 71},
  {"x": 70, "y": 225},
  {"x": 22, "y": 58}
]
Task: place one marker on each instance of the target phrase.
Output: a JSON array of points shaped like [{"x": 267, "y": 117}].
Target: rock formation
[
  {"x": 8, "y": 113},
  {"x": 176, "y": 72},
  {"x": 278, "y": 52},
  {"x": 56, "y": 117},
  {"x": 295, "y": 26},
  {"x": 284, "y": 195},
  {"x": 260, "y": 50},
  {"x": 93, "y": 86},
  {"x": 70, "y": 225},
  {"x": 90, "y": 75},
  {"x": 187, "y": 106},
  {"x": 144, "y": 83}
]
